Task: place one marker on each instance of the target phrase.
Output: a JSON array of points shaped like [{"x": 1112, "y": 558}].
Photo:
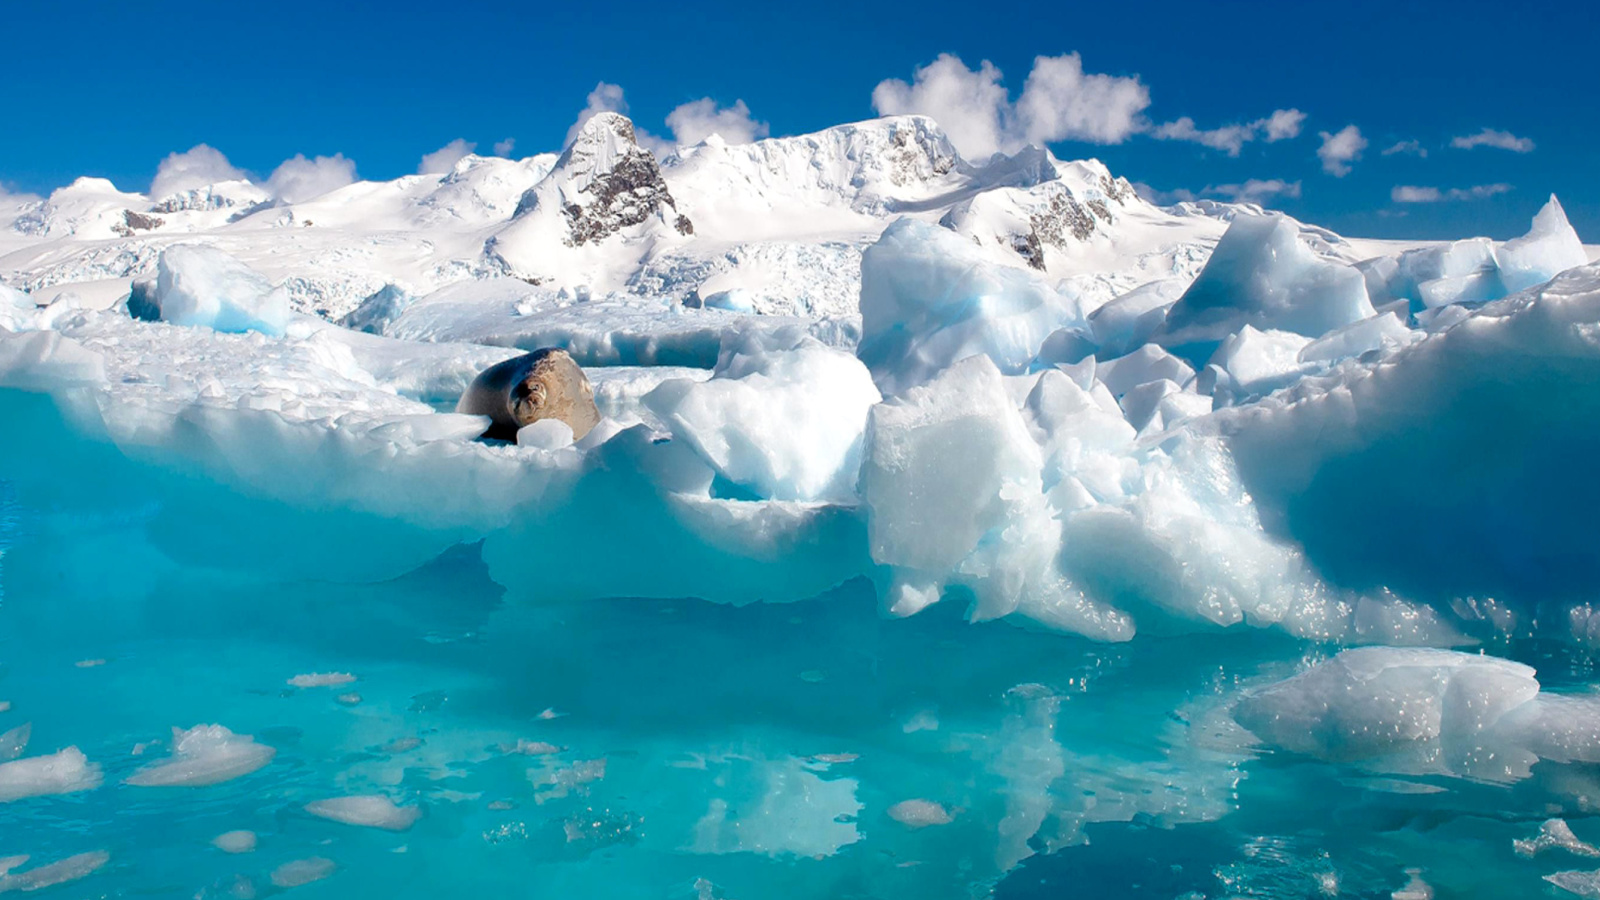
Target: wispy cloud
[
  {"x": 697, "y": 120},
  {"x": 1407, "y": 148},
  {"x": 299, "y": 178},
  {"x": 504, "y": 148},
  {"x": 445, "y": 158},
  {"x": 1339, "y": 149},
  {"x": 1281, "y": 125},
  {"x": 1256, "y": 190},
  {"x": 1406, "y": 193},
  {"x": 1489, "y": 137},
  {"x": 196, "y": 167},
  {"x": 607, "y": 97}
]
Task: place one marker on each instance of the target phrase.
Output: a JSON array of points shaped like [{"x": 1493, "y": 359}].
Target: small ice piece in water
[
  {"x": 66, "y": 772},
  {"x": 559, "y": 781},
  {"x": 351, "y": 699},
  {"x": 89, "y": 663},
  {"x": 923, "y": 720},
  {"x": 1554, "y": 833},
  {"x": 321, "y": 679},
  {"x": 367, "y": 810},
  {"x": 5, "y": 706},
  {"x": 401, "y": 745},
  {"x": 550, "y": 713},
  {"x": 919, "y": 813},
  {"x": 15, "y": 741},
  {"x": 205, "y": 755},
  {"x": 525, "y": 747},
  {"x": 302, "y": 871},
  {"x": 1415, "y": 889},
  {"x": 60, "y": 872},
  {"x": 235, "y": 842}
]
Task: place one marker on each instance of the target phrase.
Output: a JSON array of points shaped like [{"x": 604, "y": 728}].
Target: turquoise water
[
  {"x": 628, "y": 748},
  {"x": 748, "y": 752}
]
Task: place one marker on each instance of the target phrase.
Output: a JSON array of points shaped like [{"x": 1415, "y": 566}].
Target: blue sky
[{"x": 111, "y": 88}]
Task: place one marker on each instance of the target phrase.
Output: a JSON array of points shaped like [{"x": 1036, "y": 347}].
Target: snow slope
[{"x": 775, "y": 226}]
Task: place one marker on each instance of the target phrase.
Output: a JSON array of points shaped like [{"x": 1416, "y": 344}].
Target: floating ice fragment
[
  {"x": 1554, "y": 833},
  {"x": 15, "y": 741},
  {"x": 89, "y": 663},
  {"x": 349, "y": 699},
  {"x": 367, "y": 810},
  {"x": 205, "y": 755},
  {"x": 65, "y": 772},
  {"x": 235, "y": 842},
  {"x": 555, "y": 782},
  {"x": 60, "y": 872},
  {"x": 1584, "y": 884},
  {"x": 919, "y": 813},
  {"x": 302, "y": 871},
  {"x": 321, "y": 679},
  {"x": 525, "y": 747}
]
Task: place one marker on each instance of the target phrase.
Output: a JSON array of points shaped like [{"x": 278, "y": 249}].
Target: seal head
[{"x": 544, "y": 384}]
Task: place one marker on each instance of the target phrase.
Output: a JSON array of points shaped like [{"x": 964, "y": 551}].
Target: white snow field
[{"x": 1187, "y": 457}]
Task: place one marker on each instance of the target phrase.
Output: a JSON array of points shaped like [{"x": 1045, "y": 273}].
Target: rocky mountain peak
[{"x": 603, "y": 183}]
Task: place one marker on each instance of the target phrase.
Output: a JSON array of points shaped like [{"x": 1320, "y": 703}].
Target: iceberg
[
  {"x": 201, "y": 286},
  {"x": 1262, "y": 274},
  {"x": 930, "y": 299}
]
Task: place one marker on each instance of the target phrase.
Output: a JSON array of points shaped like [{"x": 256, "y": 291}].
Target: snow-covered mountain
[{"x": 775, "y": 226}]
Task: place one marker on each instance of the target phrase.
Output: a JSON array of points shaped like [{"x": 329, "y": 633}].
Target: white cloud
[
  {"x": 1059, "y": 102},
  {"x": 196, "y": 167},
  {"x": 504, "y": 148},
  {"x": 970, "y": 106},
  {"x": 697, "y": 120},
  {"x": 604, "y": 98},
  {"x": 1256, "y": 190},
  {"x": 1163, "y": 198},
  {"x": 1409, "y": 148},
  {"x": 445, "y": 158},
  {"x": 1340, "y": 149},
  {"x": 608, "y": 98},
  {"x": 1281, "y": 125},
  {"x": 1489, "y": 137},
  {"x": 1405, "y": 193},
  {"x": 298, "y": 178}
]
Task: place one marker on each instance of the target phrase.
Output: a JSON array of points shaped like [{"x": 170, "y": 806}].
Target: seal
[{"x": 544, "y": 384}]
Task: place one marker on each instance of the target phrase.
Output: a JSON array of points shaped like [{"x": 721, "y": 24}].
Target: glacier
[{"x": 951, "y": 529}]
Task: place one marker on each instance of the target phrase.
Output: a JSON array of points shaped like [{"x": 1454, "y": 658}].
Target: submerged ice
[{"x": 1014, "y": 568}]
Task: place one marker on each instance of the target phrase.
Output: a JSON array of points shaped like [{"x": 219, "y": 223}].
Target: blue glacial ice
[{"x": 938, "y": 613}]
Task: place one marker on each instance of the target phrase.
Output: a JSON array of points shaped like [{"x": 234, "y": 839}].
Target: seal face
[{"x": 544, "y": 384}]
